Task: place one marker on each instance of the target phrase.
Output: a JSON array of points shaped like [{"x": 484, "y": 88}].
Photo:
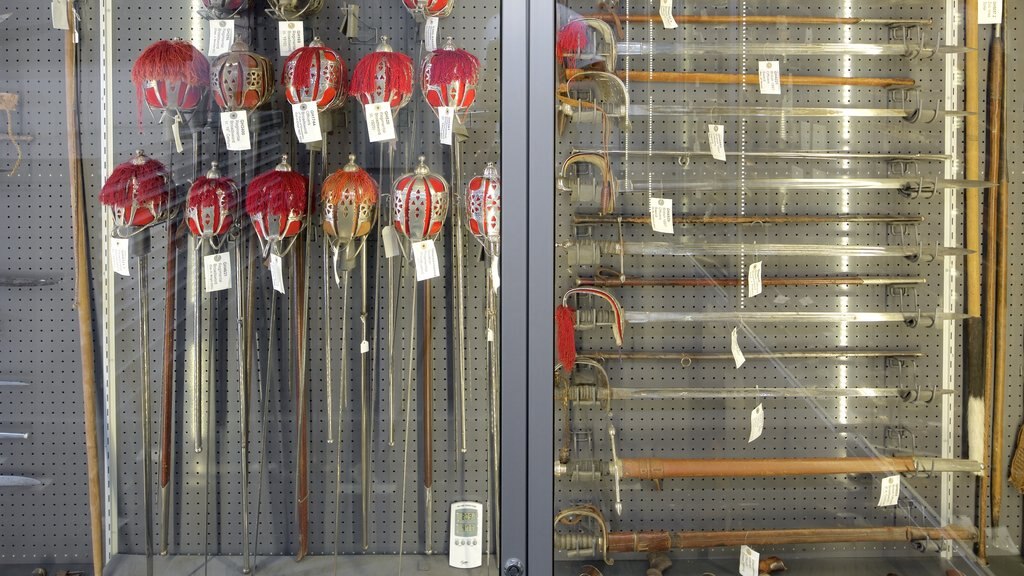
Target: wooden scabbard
[
  {"x": 748, "y": 20},
  {"x": 665, "y": 468},
  {"x": 174, "y": 230},
  {"x": 997, "y": 111},
  {"x": 619, "y": 542},
  {"x": 752, "y": 79}
]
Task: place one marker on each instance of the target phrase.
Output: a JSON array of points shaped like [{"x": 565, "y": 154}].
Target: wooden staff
[
  {"x": 762, "y": 20},
  {"x": 612, "y": 281},
  {"x": 752, "y": 79},
  {"x": 996, "y": 104},
  {"x": 83, "y": 301},
  {"x": 665, "y": 468}
]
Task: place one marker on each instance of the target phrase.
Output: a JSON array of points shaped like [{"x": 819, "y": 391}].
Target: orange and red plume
[
  {"x": 565, "y": 337},
  {"x": 141, "y": 180},
  {"x": 447, "y": 66},
  {"x": 277, "y": 193},
  {"x": 398, "y": 77}
]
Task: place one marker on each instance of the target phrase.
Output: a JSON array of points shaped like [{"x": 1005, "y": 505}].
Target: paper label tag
[
  {"x": 119, "y": 256},
  {"x": 380, "y": 123},
  {"x": 769, "y": 77},
  {"x": 425, "y": 255},
  {"x": 716, "y": 140},
  {"x": 364, "y": 347},
  {"x": 446, "y": 117},
  {"x": 754, "y": 286},
  {"x": 235, "y": 126},
  {"x": 176, "y": 132},
  {"x": 222, "y": 36},
  {"x": 667, "y": 19},
  {"x": 276, "y": 273},
  {"x": 661, "y": 215},
  {"x": 306, "y": 118},
  {"x": 490, "y": 335},
  {"x": 217, "y": 272},
  {"x": 495, "y": 274},
  {"x": 749, "y": 561},
  {"x": 392, "y": 247},
  {"x": 756, "y": 423},
  {"x": 990, "y": 12},
  {"x": 290, "y": 36},
  {"x": 59, "y": 14},
  {"x": 737, "y": 354},
  {"x": 430, "y": 33},
  {"x": 890, "y": 491}
]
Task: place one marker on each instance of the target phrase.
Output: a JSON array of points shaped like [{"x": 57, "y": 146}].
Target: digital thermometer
[{"x": 465, "y": 548}]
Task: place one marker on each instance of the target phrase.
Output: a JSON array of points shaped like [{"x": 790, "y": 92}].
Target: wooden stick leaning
[{"x": 83, "y": 301}]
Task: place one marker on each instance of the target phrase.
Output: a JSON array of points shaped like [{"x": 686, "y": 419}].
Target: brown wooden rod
[
  {"x": 688, "y": 358},
  {"x": 619, "y": 542},
  {"x": 760, "y": 20},
  {"x": 752, "y": 79},
  {"x": 665, "y": 468},
  {"x": 612, "y": 282},
  {"x": 1002, "y": 192},
  {"x": 972, "y": 237},
  {"x": 584, "y": 219},
  {"x": 83, "y": 301}
]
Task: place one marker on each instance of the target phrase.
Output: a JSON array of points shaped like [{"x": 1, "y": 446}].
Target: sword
[
  {"x": 589, "y": 393},
  {"x": 752, "y": 79},
  {"x": 588, "y": 219},
  {"x": 611, "y": 280},
  {"x": 7, "y": 481},
  {"x": 686, "y": 359},
  {"x": 785, "y": 155},
  {"x": 770, "y": 20},
  {"x": 784, "y": 49}
]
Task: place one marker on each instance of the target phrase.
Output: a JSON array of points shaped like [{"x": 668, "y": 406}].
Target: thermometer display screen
[{"x": 465, "y": 522}]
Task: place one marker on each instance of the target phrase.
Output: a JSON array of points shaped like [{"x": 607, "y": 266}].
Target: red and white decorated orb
[
  {"x": 210, "y": 205},
  {"x": 349, "y": 203},
  {"x": 241, "y": 79},
  {"x": 449, "y": 77},
  {"x": 483, "y": 208},
  {"x": 276, "y": 203},
  {"x": 137, "y": 192},
  {"x": 429, "y": 8},
  {"x": 315, "y": 74},
  {"x": 421, "y": 204},
  {"x": 383, "y": 76},
  {"x": 172, "y": 76},
  {"x": 294, "y": 9}
]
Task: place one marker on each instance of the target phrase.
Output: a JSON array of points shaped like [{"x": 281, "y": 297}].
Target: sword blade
[
  {"x": 18, "y": 482},
  {"x": 644, "y": 317},
  {"x": 794, "y": 154},
  {"x": 778, "y": 49}
]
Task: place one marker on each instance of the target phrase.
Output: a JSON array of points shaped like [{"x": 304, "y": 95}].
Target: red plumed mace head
[
  {"x": 210, "y": 204},
  {"x": 483, "y": 209},
  {"x": 241, "y": 79},
  {"x": 349, "y": 202},
  {"x": 316, "y": 74},
  {"x": 137, "y": 192},
  {"x": 276, "y": 204},
  {"x": 383, "y": 76},
  {"x": 449, "y": 77},
  {"x": 421, "y": 203},
  {"x": 572, "y": 40},
  {"x": 565, "y": 337},
  {"x": 171, "y": 76},
  {"x": 294, "y": 9},
  {"x": 429, "y": 8},
  {"x": 225, "y": 9}
]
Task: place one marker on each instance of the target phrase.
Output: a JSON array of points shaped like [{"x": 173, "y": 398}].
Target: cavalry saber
[
  {"x": 785, "y": 49},
  {"x": 590, "y": 393},
  {"x": 615, "y": 281},
  {"x": 752, "y": 79},
  {"x": 688, "y": 358},
  {"x": 908, "y": 184},
  {"x": 791, "y": 155},
  {"x": 590, "y": 318},
  {"x": 586, "y": 219},
  {"x": 726, "y": 111},
  {"x": 674, "y": 468},
  {"x": 755, "y": 20}
]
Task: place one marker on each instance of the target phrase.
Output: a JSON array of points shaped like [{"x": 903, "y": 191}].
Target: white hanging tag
[
  {"x": 430, "y": 33},
  {"x": 737, "y": 354},
  {"x": 769, "y": 77},
  {"x": 661, "y": 215},
  {"x": 756, "y": 423},
  {"x": 392, "y": 247},
  {"x": 890, "y": 491},
  {"x": 176, "y": 132},
  {"x": 754, "y": 286},
  {"x": 217, "y": 272},
  {"x": 364, "y": 347},
  {"x": 59, "y": 14},
  {"x": 667, "y": 19},
  {"x": 290, "y": 36},
  {"x": 446, "y": 117},
  {"x": 380, "y": 124},
  {"x": 490, "y": 335},
  {"x": 120, "y": 257},
  {"x": 222, "y": 36},
  {"x": 990, "y": 12},
  {"x": 495, "y": 274},
  {"x": 749, "y": 561},
  {"x": 276, "y": 273},
  {"x": 425, "y": 255},
  {"x": 235, "y": 126},
  {"x": 716, "y": 140},
  {"x": 306, "y": 118}
]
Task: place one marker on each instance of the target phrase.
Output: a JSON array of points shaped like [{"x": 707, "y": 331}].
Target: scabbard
[{"x": 665, "y": 468}]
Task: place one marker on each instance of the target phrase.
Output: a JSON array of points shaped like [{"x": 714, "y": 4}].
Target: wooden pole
[
  {"x": 752, "y": 79},
  {"x": 666, "y": 468},
  {"x": 997, "y": 86},
  {"x": 83, "y": 302}
]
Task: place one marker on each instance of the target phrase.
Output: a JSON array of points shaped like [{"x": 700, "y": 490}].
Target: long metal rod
[
  {"x": 586, "y": 250},
  {"x": 756, "y": 20},
  {"x": 909, "y": 49},
  {"x": 195, "y": 255},
  {"x": 14, "y": 435},
  {"x": 999, "y": 261},
  {"x": 329, "y": 343},
  {"x": 752, "y": 79},
  {"x": 427, "y": 424},
  {"x": 773, "y": 155},
  {"x": 726, "y": 111},
  {"x": 8, "y": 281},
  {"x": 244, "y": 290},
  {"x": 910, "y": 318},
  {"x": 460, "y": 290},
  {"x": 145, "y": 406},
  {"x": 591, "y": 393},
  {"x": 167, "y": 440},
  {"x": 609, "y": 219},
  {"x": 299, "y": 310},
  {"x": 687, "y": 358},
  {"x": 612, "y": 281},
  {"x": 755, "y": 184},
  {"x": 364, "y": 399}
]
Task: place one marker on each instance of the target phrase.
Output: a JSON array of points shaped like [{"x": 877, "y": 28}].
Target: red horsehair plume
[
  {"x": 572, "y": 39},
  {"x": 447, "y": 66},
  {"x": 397, "y": 77},
  {"x": 141, "y": 180},
  {"x": 171, "y": 61},
  {"x": 351, "y": 177},
  {"x": 206, "y": 193},
  {"x": 277, "y": 192},
  {"x": 565, "y": 325},
  {"x": 305, "y": 60}
]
